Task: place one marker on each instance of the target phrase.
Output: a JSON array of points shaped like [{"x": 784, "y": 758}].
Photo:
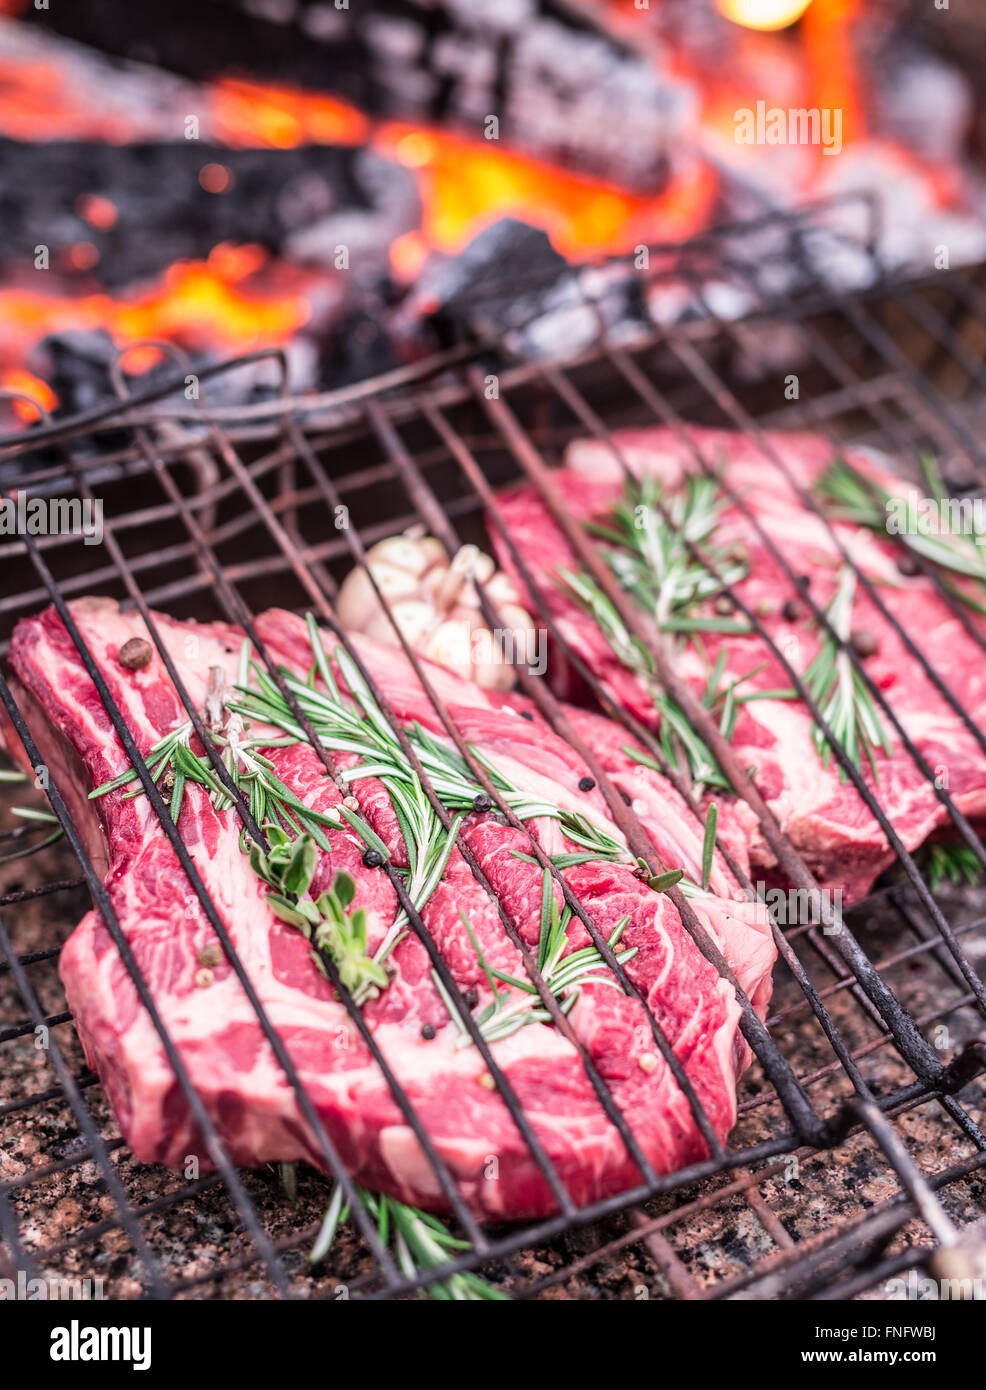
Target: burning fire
[
  {"x": 32, "y": 386},
  {"x": 201, "y": 304},
  {"x": 467, "y": 184}
]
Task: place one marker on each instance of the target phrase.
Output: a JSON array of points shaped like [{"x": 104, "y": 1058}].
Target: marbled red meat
[
  {"x": 821, "y": 812},
  {"x": 215, "y": 1028}
]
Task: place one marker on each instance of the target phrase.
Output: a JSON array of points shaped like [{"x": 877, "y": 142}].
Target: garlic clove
[
  {"x": 502, "y": 589},
  {"x": 494, "y": 675},
  {"x": 403, "y": 553},
  {"x": 414, "y": 617},
  {"x": 450, "y": 645}
]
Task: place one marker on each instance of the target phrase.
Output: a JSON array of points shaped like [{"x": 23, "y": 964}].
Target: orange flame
[
  {"x": 27, "y": 385},
  {"x": 199, "y": 304}
]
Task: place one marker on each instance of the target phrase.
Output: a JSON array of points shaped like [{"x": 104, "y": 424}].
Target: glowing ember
[
  {"x": 200, "y": 304},
  {"x": 247, "y": 114},
  {"x": 467, "y": 183},
  {"x": 27, "y": 385}
]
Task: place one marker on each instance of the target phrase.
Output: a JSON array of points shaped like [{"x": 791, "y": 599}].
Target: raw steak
[
  {"x": 215, "y": 1028},
  {"x": 823, "y": 814}
]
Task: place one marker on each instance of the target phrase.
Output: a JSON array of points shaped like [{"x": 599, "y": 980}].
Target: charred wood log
[
  {"x": 539, "y": 74},
  {"x": 143, "y": 207}
]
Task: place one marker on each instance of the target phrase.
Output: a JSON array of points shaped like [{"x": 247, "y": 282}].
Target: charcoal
[
  {"x": 510, "y": 284},
  {"x": 561, "y": 86},
  {"x": 301, "y": 203}
]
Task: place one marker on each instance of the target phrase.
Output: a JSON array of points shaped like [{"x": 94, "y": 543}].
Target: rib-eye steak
[
  {"x": 214, "y": 1026},
  {"x": 800, "y": 779}
]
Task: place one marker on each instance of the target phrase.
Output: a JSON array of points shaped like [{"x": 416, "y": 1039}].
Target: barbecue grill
[{"x": 858, "y": 1153}]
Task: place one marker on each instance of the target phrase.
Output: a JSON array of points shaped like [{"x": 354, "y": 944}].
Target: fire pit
[{"x": 221, "y": 481}]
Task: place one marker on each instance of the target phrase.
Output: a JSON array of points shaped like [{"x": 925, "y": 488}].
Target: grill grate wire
[{"x": 427, "y": 402}]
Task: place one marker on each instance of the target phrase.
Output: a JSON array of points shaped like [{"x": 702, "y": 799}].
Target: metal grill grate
[{"x": 217, "y": 512}]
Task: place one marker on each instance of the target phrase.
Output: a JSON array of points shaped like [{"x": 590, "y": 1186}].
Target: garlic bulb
[{"x": 436, "y": 606}]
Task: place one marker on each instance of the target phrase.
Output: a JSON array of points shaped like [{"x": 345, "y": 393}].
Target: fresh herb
[
  {"x": 943, "y": 864},
  {"x": 28, "y": 813},
  {"x": 360, "y": 728},
  {"x": 269, "y": 799},
  {"x": 355, "y": 726},
  {"x": 420, "y": 1241},
  {"x": 648, "y": 536},
  {"x": 849, "y": 496},
  {"x": 563, "y": 975},
  {"x": 838, "y": 688},
  {"x": 709, "y": 844}
]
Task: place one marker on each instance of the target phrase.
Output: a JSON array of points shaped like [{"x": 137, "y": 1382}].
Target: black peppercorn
[
  {"x": 907, "y": 564},
  {"x": 792, "y": 610},
  {"x": 863, "y": 642},
  {"x": 427, "y": 1031},
  {"x": 135, "y": 654},
  {"x": 586, "y": 784},
  {"x": 481, "y": 803},
  {"x": 471, "y": 997},
  {"x": 526, "y": 714},
  {"x": 372, "y": 858}
]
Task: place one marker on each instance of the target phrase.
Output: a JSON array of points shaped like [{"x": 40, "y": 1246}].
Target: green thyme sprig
[
  {"x": 420, "y": 1241},
  {"x": 330, "y": 922}
]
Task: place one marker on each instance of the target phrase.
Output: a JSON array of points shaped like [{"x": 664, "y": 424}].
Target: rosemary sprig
[
  {"x": 943, "y": 864},
  {"x": 849, "y": 496},
  {"x": 29, "y": 813},
  {"x": 359, "y": 727},
  {"x": 420, "y": 1241},
  {"x": 269, "y": 799},
  {"x": 646, "y": 538},
  {"x": 838, "y": 689},
  {"x": 681, "y": 745},
  {"x": 564, "y": 975}
]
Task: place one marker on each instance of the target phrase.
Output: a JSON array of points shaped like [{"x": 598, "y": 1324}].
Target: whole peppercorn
[
  {"x": 793, "y": 610},
  {"x": 135, "y": 654},
  {"x": 471, "y": 997},
  {"x": 863, "y": 642},
  {"x": 586, "y": 784},
  {"x": 907, "y": 564},
  {"x": 372, "y": 858},
  {"x": 427, "y": 1031},
  {"x": 481, "y": 803}
]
